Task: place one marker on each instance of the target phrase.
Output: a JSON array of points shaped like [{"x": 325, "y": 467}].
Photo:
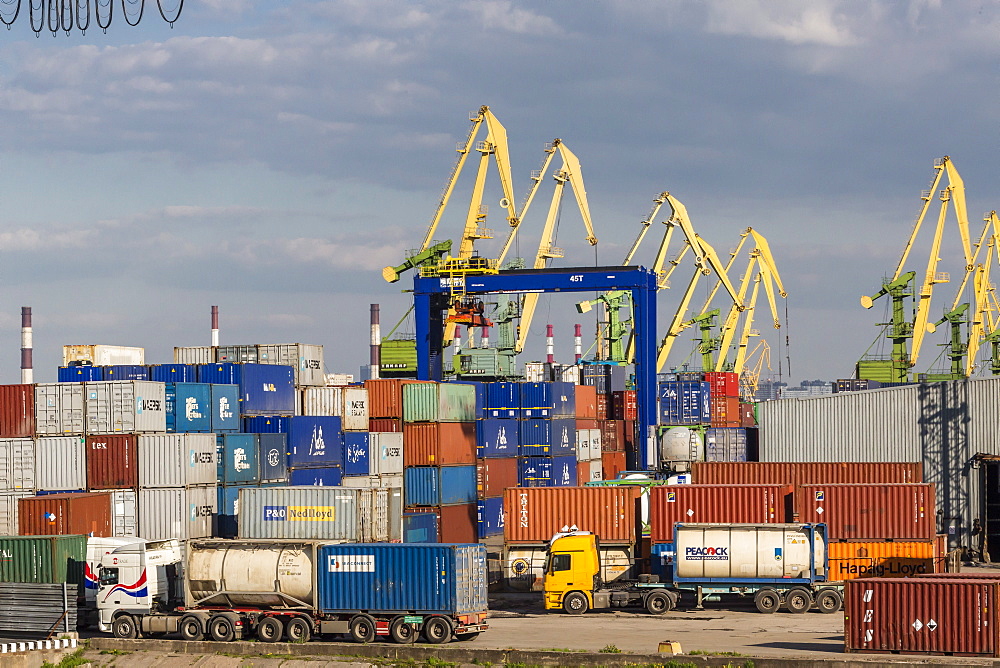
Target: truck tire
[
  {"x": 575, "y": 603},
  {"x": 767, "y": 601},
  {"x": 829, "y": 601},
  {"x": 221, "y": 628},
  {"x": 798, "y": 600},
  {"x": 190, "y": 628},
  {"x": 437, "y": 630},
  {"x": 401, "y": 631},
  {"x": 270, "y": 629},
  {"x": 466, "y": 637},
  {"x": 125, "y": 627},
  {"x": 298, "y": 630},
  {"x": 658, "y": 602},
  {"x": 362, "y": 629}
]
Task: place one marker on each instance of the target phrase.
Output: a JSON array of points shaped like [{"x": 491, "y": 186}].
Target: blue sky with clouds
[{"x": 271, "y": 156}]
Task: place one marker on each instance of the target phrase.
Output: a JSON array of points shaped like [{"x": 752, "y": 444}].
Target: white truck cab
[{"x": 134, "y": 578}]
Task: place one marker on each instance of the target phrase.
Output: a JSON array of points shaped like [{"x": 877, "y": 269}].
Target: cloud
[{"x": 788, "y": 21}]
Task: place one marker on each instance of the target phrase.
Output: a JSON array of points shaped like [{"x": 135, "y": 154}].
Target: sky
[{"x": 271, "y": 156}]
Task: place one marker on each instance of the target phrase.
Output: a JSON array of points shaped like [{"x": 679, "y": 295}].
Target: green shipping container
[
  {"x": 43, "y": 559},
  {"x": 439, "y": 402}
]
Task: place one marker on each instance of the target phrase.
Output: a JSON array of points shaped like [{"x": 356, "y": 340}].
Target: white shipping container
[
  {"x": 348, "y": 403},
  {"x": 17, "y": 466},
  {"x": 386, "y": 452},
  {"x": 588, "y": 445},
  {"x": 534, "y": 372},
  {"x": 306, "y": 359},
  {"x": 59, "y": 409},
  {"x": 60, "y": 463},
  {"x": 177, "y": 512},
  {"x": 176, "y": 460},
  {"x": 596, "y": 470},
  {"x": 236, "y": 354},
  {"x": 300, "y": 512},
  {"x": 354, "y": 415},
  {"x": 8, "y": 511},
  {"x": 194, "y": 355},
  {"x": 378, "y": 509},
  {"x": 100, "y": 355},
  {"x": 125, "y": 407},
  {"x": 372, "y": 481},
  {"x": 339, "y": 378},
  {"x": 124, "y": 513}
]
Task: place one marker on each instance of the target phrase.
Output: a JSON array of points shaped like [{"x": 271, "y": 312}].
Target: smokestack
[
  {"x": 457, "y": 341},
  {"x": 484, "y": 337},
  {"x": 375, "y": 356},
  {"x": 550, "y": 347},
  {"x": 215, "y": 326},
  {"x": 577, "y": 344},
  {"x": 27, "y": 367}
]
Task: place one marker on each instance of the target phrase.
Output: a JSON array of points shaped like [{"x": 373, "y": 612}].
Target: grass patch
[
  {"x": 116, "y": 652},
  {"x": 610, "y": 649},
  {"x": 704, "y": 652},
  {"x": 69, "y": 661}
]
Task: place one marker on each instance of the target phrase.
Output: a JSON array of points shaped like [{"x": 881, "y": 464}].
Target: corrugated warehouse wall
[{"x": 943, "y": 425}]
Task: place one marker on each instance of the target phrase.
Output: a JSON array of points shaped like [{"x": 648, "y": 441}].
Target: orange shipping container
[
  {"x": 493, "y": 476},
  {"x": 385, "y": 424},
  {"x": 892, "y": 559},
  {"x": 612, "y": 464},
  {"x": 587, "y": 424},
  {"x": 535, "y": 514},
  {"x": 724, "y": 411},
  {"x": 439, "y": 443},
  {"x": 586, "y": 402},
  {"x": 385, "y": 396},
  {"x": 803, "y": 473},
  {"x": 62, "y": 514}
]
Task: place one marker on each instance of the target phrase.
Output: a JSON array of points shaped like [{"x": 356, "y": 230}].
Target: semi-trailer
[{"x": 272, "y": 589}]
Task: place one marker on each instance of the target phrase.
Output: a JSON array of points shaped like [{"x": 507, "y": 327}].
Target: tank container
[
  {"x": 439, "y": 443},
  {"x": 238, "y": 459},
  {"x": 306, "y": 359},
  {"x": 60, "y": 463},
  {"x": 188, "y": 407},
  {"x": 496, "y": 438},
  {"x": 130, "y": 406},
  {"x": 174, "y": 373},
  {"x": 493, "y": 476},
  {"x": 177, "y": 512},
  {"x": 316, "y": 476},
  {"x": 17, "y": 465},
  {"x": 772, "y": 552},
  {"x": 265, "y": 389},
  {"x": 727, "y": 444},
  {"x": 547, "y": 471},
  {"x": 177, "y": 460},
  {"x": 730, "y": 504},
  {"x": 112, "y": 461},
  {"x": 43, "y": 558},
  {"x": 681, "y": 444},
  {"x": 101, "y": 355},
  {"x": 870, "y": 512},
  {"x": 546, "y": 438},
  {"x": 315, "y": 441},
  {"x": 535, "y": 515},
  {"x": 17, "y": 411},
  {"x": 439, "y": 485},
  {"x": 59, "y": 409},
  {"x": 439, "y": 402},
  {"x": 224, "y": 409},
  {"x": 386, "y": 453},
  {"x": 297, "y": 512},
  {"x": 272, "y": 458},
  {"x": 194, "y": 355}
]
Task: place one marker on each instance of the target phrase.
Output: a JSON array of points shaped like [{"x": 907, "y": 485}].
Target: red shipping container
[
  {"x": 588, "y": 423},
  {"x": 603, "y": 407},
  {"x": 493, "y": 476},
  {"x": 439, "y": 443},
  {"x": 747, "y": 416},
  {"x": 870, "y": 512},
  {"x": 612, "y": 463},
  {"x": 922, "y": 616},
  {"x": 723, "y": 383},
  {"x": 62, "y": 514},
  {"x": 586, "y": 402},
  {"x": 385, "y": 424},
  {"x": 803, "y": 473},
  {"x": 458, "y": 524},
  {"x": 611, "y": 436},
  {"x": 623, "y": 405},
  {"x": 535, "y": 514},
  {"x": 626, "y": 430},
  {"x": 724, "y": 411},
  {"x": 112, "y": 462},
  {"x": 17, "y": 411},
  {"x": 728, "y": 504},
  {"x": 385, "y": 396}
]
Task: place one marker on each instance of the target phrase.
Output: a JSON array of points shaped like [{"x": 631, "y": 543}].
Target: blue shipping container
[
  {"x": 420, "y": 527},
  {"x": 330, "y": 476},
  {"x": 266, "y": 424},
  {"x": 357, "y": 453},
  {"x": 546, "y": 471},
  {"x": 546, "y": 400},
  {"x": 503, "y": 400},
  {"x": 491, "y": 517},
  {"x": 273, "y": 457},
  {"x": 187, "y": 407},
  {"x": 226, "y": 523},
  {"x": 684, "y": 402},
  {"x": 265, "y": 389},
  {"x": 726, "y": 444},
  {"x": 238, "y": 458},
  {"x": 173, "y": 373},
  {"x": 225, "y": 408},
  {"x": 547, "y": 438},
  {"x": 497, "y": 438},
  {"x": 439, "y": 485},
  {"x": 315, "y": 440},
  {"x": 661, "y": 561},
  {"x": 80, "y": 374},
  {"x": 397, "y": 577},
  {"x": 607, "y": 378},
  {"x": 126, "y": 372}
]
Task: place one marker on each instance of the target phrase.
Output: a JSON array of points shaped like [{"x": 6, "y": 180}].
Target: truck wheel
[
  {"x": 829, "y": 601},
  {"x": 466, "y": 637},
  {"x": 798, "y": 601},
  {"x": 190, "y": 628},
  {"x": 298, "y": 630},
  {"x": 437, "y": 630},
  {"x": 657, "y": 603},
  {"x": 362, "y": 629},
  {"x": 401, "y": 631},
  {"x": 270, "y": 629},
  {"x": 575, "y": 603},
  {"x": 767, "y": 601},
  {"x": 125, "y": 627},
  {"x": 221, "y": 629}
]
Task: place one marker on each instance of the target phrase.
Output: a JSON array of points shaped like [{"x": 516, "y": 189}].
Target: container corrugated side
[
  {"x": 131, "y": 406},
  {"x": 112, "y": 461},
  {"x": 497, "y": 437},
  {"x": 62, "y": 514},
  {"x": 273, "y": 457},
  {"x": 60, "y": 463},
  {"x": 870, "y": 512},
  {"x": 265, "y": 389},
  {"x": 8, "y": 511},
  {"x": 439, "y": 402},
  {"x": 59, "y": 409},
  {"x": 17, "y": 464},
  {"x": 441, "y": 579},
  {"x": 348, "y": 403},
  {"x": 173, "y": 373},
  {"x": 386, "y": 453},
  {"x": 804, "y": 473},
  {"x": 385, "y": 397},
  {"x": 493, "y": 476},
  {"x": 439, "y": 443},
  {"x": 307, "y": 513},
  {"x": 439, "y": 485},
  {"x": 727, "y": 504},
  {"x": 194, "y": 355},
  {"x": 176, "y": 460},
  {"x": 188, "y": 407},
  {"x": 881, "y": 559},
  {"x": 238, "y": 459},
  {"x": 306, "y": 359},
  {"x": 17, "y": 411},
  {"x": 225, "y": 408},
  {"x": 177, "y": 512},
  {"x": 124, "y": 512},
  {"x": 536, "y": 514},
  {"x": 955, "y": 616},
  {"x": 43, "y": 558}
]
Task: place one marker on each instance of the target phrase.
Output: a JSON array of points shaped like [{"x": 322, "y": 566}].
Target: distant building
[{"x": 808, "y": 388}]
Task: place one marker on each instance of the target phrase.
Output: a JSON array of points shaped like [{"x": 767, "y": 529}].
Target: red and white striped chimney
[
  {"x": 550, "y": 347},
  {"x": 215, "y": 326},
  {"x": 27, "y": 364},
  {"x": 484, "y": 337},
  {"x": 375, "y": 347},
  {"x": 577, "y": 344},
  {"x": 457, "y": 341}
]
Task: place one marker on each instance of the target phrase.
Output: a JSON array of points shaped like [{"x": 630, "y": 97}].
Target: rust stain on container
[
  {"x": 17, "y": 411},
  {"x": 535, "y": 514},
  {"x": 922, "y": 616},
  {"x": 882, "y": 559},
  {"x": 385, "y": 397},
  {"x": 728, "y": 504},
  {"x": 803, "y": 473},
  {"x": 439, "y": 443},
  {"x": 111, "y": 462},
  {"x": 63, "y": 514},
  {"x": 493, "y": 476},
  {"x": 586, "y": 402},
  {"x": 870, "y": 512}
]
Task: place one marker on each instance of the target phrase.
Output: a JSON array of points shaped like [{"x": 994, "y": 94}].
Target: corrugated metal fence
[{"x": 37, "y": 609}]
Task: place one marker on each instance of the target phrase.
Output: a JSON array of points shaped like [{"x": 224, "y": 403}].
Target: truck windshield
[
  {"x": 559, "y": 562},
  {"x": 109, "y": 576}
]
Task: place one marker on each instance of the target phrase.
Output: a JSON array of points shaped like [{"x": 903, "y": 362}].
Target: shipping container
[
  {"x": 8, "y": 511},
  {"x": 386, "y": 453},
  {"x": 124, "y": 372},
  {"x": 585, "y": 402},
  {"x": 870, "y": 511},
  {"x": 458, "y": 523},
  {"x": 357, "y": 453},
  {"x": 922, "y": 616},
  {"x": 265, "y": 389},
  {"x": 547, "y": 400},
  {"x": 61, "y": 514},
  {"x": 306, "y": 359},
  {"x": 315, "y": 441},
  {"x": 60, "y": 463},
  {"x": 227, "y": 510},
  {"x": 883, "y": 559},
  {"x": 132, "y": 406},
  {"x": 348, "y": 403},
  {"x": 17, "y": 465},
  {"x": 623, "y": 405},
  {"x": 266, "y": 424},
  {"x": 804, "y": 473},
  {"x": 606, "y": 378},
  {"x": 595, "y": 472},
  {"x": 497, "y": 438},
  {"x": 612, "y": 463},
  {"x": 546, "y": 437},
  {"x": 547, "y": 471},
  {"x": 724, "y": 411},
  {"x": 177, "y": 460},
  {"x": 17, "y": 411},
  {"x": 237, "y": 459},
  {"x": 43, "y": 558},
  {"x": 503, "y": 400},
  {"x": 385, "y": 397},
  {"x": 612, "y": 436},
  {"x": 124, "y": 512},
  {"x": 394, "y": 425},
  {"x": 588, "y": 445},
  {"x": 726, "y": 504},
  {"x": 439, "y": 402},
  {"x": 236, "y": 354},
  {"x": 603, "y": 407},
  {"x": 439, "y": 443},
  {"x": 273, "y": 457},
  {"x": 79, "y": 374},
  {"x": 493, "y": 476},
  {"x": 491, "y": 517},
  {"x": 535, "y": 515},
  {"x": 439, "y": 485},
  {"x": 725, "y": 444},
  {"x": 177, "y": 512},
  {"x": 300, "y": 513},
  {"x": 748, "y": 415},
  {"x": 194, "y": 355},
  {"x": 101, "y": 355},
  {"x": 479, "y": 388},
  {"x": 420, "y": 527},
  {"x": 188, "y": 407},
  {"x": 225, "y": 408},
  {"x": 684, "y": 402},
  {"x": 174, "y": 373},
  {"x": 723, "y": 383},
  {"x": 316, "y": 476},
  {"x": 59, "y": 409},
  {"x": 112, "y": 461}
]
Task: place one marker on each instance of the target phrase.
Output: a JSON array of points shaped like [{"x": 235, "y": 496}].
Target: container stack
[
  {"x": 497, "y": 443},
  {"x": 17, "y": 451},
  {"x": 617, "y": 433},
  {"x": 589, "y": 452},
  {"x": 547, "y": 435}
]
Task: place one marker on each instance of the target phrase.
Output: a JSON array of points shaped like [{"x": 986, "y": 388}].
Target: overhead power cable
[{"x": 68, "y": 15}]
